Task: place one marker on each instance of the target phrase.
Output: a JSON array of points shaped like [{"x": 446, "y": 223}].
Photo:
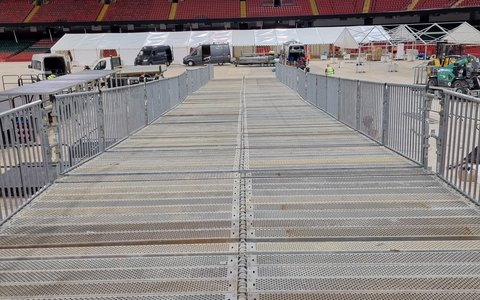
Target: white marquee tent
[
  {"x": 463, "y": 34},
  {"x": 86, "y": 48}
]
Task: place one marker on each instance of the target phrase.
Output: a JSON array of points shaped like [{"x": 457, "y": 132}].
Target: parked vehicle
[
  {"x": 154, "y": 55},
  {"x": 292, "y": 52},
  {"x": 132, "y": 74},
  {"x": 256, "y": 59},
  {"x": 50, "y": 64},
  {"x": 463, "y": 75},
  {"x": 209, "y": 54}
]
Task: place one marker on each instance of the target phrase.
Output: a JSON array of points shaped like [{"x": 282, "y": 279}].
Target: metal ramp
[{"x": 244, "y": 191}]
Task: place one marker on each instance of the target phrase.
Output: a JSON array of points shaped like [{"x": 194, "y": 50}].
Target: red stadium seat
[
  {"x": 14, "y": 11},
  {"x": 138, "y": 10},
  {"x": 215, "y": 9},
  {"x": 68, "y": 11},
  {"x": 379, "y": 6},
  {"x": 470, "y": 3},
  {"x": 257, "y": 8},
  {"x": 433, "y": 4},
  {"x": 333, "y": 7}
]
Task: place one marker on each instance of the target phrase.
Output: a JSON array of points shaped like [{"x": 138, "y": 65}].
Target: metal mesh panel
[
  {"x": 312, "y": 89},
  {"x": 348, "y": 102},
  {"x": 23, "y": 155},
  {"x": 405, "y": 125},
  {"x": 78, "y": 127},
  {"x": 136, "y": 108},
  {"x": 459, "y": 158},
  {"x": 302, "y": 81},
  {"x": 371, "y": 109},
  {"x": 392, "y": 295},
  {"x": 333, "y": 96},
  {"x": 115, "y": 111},
  {"x": 322, "y": 92}
]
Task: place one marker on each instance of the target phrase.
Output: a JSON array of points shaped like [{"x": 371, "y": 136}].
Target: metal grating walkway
[{"x": 244, "y": 191}]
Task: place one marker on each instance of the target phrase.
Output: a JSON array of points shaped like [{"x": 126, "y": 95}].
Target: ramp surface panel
[{"x": 329, "y": 213}]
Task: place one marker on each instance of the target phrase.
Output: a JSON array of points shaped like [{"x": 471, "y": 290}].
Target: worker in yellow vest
[{"x": 329, "y": 71}]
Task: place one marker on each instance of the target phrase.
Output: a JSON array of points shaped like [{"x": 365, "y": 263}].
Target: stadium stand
[
  {"x": 215, "y": 9},
  {"x": 9, "y": 48},
  {"x": 469, "y": 3},
  {"x": 332, "y": 7},
  {"x": 262, "y": 8},
  {"x": 14, "y": 11},
  {"x": 138, "y": 10},
  {"x": 379, "y": 6},
  {"x": 432, "y": 4},
  {"x": 68, "y": 11}
]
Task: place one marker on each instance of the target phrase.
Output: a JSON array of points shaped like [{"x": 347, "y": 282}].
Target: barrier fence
[
  {"x": 42, "y": 139},
  {"x": 390, "y": 114},
  {"x": 400, "y": 117}
]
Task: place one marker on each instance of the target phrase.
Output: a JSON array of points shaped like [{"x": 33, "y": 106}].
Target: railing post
[
  {"x": 385, "y": 114},
  {"x": 426, "y": 107},
  {"x": 358, "y": 106},
  {"x": 49, "y": 135},
  {"x": 442, "y": 133},
  {"x": 339, "y": 98},
  {"x": 146, "y": 103},
  {"x": 100, "y": 121}
]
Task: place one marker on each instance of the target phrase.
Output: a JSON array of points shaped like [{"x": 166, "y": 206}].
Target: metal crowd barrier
[
  {"x": 400, "y": 117},
  {"x": 24, "y": 154},
  {"x": 458, "y": 158},
  {"x": 43, "y": 139},
  {"x": 390, "y": 114}
]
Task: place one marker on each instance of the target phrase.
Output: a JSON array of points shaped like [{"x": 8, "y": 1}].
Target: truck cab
[
  {"x": 154, "y": 55},
  {"x": 50, "y": 64},
  {"x": 108, "y": 63}
]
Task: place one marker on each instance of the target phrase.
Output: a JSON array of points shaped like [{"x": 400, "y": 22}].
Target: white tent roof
[
  {"x": 367, "y": 34},
  {"x": 463, "y": 34},
  {"x": 86, "y": 48},
  {"x": 346, "y": 40},
  {"x": 402, "y": 33}
]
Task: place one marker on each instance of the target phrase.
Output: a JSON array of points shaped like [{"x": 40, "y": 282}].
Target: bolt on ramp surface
[{"x": 244, "y": 191}]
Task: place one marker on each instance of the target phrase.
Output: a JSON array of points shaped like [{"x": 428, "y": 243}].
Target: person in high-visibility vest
[
  {"x": 51, "y": 76},
  {"x": 329, "y": 71}
]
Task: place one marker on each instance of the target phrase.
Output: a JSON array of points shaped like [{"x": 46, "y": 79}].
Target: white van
[{"x": 48, "y": 64}]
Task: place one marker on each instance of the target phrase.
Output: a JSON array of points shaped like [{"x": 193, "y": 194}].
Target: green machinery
[{"x": 463, "y": 75}]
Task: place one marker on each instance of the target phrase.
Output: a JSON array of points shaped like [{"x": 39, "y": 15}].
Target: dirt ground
[{"x": 374, "y": 71}]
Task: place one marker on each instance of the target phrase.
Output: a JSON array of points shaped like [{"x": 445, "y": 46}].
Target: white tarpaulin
[
  {"x": 367, "y": 34},
  {"x": 86, "y": 48},
  {"x": 346, "y": 40},
  {"x": 402, "y": 34},
  {"x": 463, "y": 34}
]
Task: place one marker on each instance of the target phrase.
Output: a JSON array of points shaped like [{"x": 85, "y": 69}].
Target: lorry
[
  {"x": 129, "y": 75},
  {"x": 463, "y": 75},
  {"x": 50, "y": 64},
  {"x": 256, "y": 59},
  {"x": 292, "y": 52},
  {"x": 208, "y": 54},
  {"x": 154, "y": 55}
]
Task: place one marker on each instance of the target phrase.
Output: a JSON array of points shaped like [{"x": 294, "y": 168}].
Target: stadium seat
[
  {"x": 258, "y": 8},
  {"x": 433, "y": 4},
  {"x": 126, "y": 10},
  {"x": 68, "y": 11},
  {"x": 379, "y": 6},
  {"x": 470, "y": 3},
  {"x": 333, "y": 7},
  {"x": 14, "y": 11},
  {"x": 215, "y": 9}
]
